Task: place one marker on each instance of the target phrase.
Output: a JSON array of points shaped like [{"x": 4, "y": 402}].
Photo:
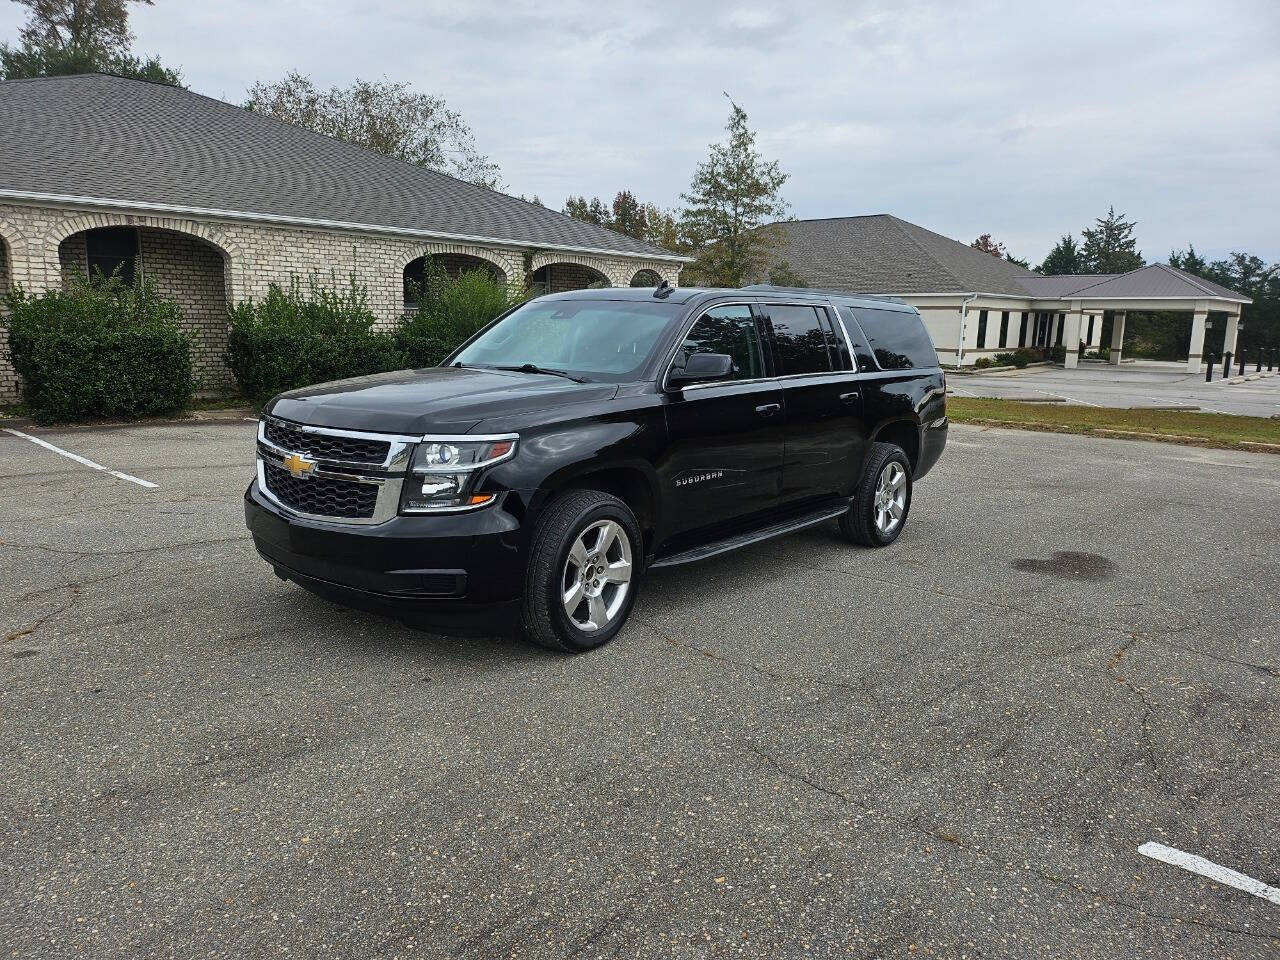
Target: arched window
[{"x": 646, "y": 278}]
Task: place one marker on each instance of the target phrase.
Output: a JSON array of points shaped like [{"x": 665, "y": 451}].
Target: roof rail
[{"x": 821, "y": 292}]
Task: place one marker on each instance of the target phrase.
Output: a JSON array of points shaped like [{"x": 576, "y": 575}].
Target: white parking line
[
  {"x": 1207, "y": 868},
  {"x": 1069, "y": 399},
  {"x": 79, "y": 459}
]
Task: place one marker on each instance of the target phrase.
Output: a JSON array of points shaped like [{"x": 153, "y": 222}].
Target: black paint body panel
[{"x": 696, "y": 464}]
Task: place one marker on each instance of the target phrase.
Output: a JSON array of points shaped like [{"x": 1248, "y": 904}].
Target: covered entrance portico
[{"x": 1154, "y": 288}]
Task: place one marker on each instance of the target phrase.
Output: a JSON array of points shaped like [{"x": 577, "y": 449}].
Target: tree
[
  {"x": 781, "y": 274},
  {"x": 647, "y": 222},
  {"x": 593, "y": 211},
  {"x": 388, "y": 117},
  {"x": 1024, "y": 264},
  {"x": 1063, "y": 259},
  {"x": 628, "y": 215},
  {"x": 1110, "y": 247},
  {"x": 988, "y": 245},
  {"x": 1189, "y": 261},
  {"x": 662, "y": 229},
  {"x": 731, "y": 197},
  {"x": 101, "y": 25},
  {"x": 63, "y": 37}
]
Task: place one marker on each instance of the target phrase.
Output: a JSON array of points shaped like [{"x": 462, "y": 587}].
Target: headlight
[{"x": 444, "y": 471}]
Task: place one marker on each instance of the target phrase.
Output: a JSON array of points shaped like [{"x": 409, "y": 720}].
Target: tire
[
  {"x": 573, "y": 524},
  {"x": 859, "y": 524}
]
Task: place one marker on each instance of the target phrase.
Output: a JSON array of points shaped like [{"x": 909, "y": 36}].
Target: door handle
[
  {"x": 768, "y": 409},
  {"x": 850, "y": 397}
]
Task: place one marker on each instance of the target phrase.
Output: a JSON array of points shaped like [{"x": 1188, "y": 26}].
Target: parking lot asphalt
[
  {"x": 1145, "y": 383},
  {"x": 952, "y": 747}
]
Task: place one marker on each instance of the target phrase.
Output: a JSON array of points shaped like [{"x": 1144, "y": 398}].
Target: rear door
[
  {"x": 724, "y": 458},
  {"x": 825, "y": 433}
]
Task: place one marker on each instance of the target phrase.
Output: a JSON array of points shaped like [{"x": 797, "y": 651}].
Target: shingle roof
[
  {"x": 1157, "y": 281},
  {"x": 883, "y": 254},
  {"x": 108, "y": 138},
  {"x": 1050, "y": 288}
]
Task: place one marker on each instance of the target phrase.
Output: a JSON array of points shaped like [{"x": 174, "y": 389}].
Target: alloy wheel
[
  {"x": 891, "y": 497},
  {"x": 596, "y": 576}
]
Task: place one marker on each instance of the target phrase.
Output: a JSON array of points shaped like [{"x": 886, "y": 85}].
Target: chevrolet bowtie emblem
[{"x": 298, "y": 465}]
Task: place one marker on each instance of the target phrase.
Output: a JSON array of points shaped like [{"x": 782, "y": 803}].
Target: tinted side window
[
  {"x": 799, "y": 341},
  {"x": 730, "y": 330},
  {"x": 898, "y": 339}
]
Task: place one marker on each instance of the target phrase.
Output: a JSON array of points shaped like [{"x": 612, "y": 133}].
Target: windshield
[{"x": 595, "y": 339}]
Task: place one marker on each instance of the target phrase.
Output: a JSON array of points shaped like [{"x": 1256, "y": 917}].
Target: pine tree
[
  {"x": 1063, "y": 259},
  {"x": 1110, "y": 247},
  {"x": 733, "y": 194}
]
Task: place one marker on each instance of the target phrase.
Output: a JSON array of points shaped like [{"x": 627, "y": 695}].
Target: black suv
[{"x": 585, "y": 437}]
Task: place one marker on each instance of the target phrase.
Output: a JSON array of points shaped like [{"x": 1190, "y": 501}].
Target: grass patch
[{"x": 1174, "y": 426}]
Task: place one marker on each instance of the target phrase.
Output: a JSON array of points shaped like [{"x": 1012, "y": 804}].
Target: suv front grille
[
  {"x": 322, "y": 496},
  {"x": 326, "y": 446}
]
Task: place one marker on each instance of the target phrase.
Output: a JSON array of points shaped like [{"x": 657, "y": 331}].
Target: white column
[
  {"x": 1197, "y": 338},
  {"x": 1233, "y": 328},
  {"x": 1071, "y": 339},
  {"x": 1117, "y": 335}
]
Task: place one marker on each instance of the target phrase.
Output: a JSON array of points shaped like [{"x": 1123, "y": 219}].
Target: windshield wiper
[{"x": 534, "y": 368}]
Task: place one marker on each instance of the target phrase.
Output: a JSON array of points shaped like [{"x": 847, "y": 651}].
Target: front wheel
[
  {"x": 583, "y": 572},
  {"x": 883, "y": 499}
]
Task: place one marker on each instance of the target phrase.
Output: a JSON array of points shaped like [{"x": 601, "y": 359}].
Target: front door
[
  {"x": 825, "y": 435},
  {"x": 724, "y": 459}
]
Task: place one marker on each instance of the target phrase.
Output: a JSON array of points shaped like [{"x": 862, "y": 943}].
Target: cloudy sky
[{"x": 1022, "y": 119}]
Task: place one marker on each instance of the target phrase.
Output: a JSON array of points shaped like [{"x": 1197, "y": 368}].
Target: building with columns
[
  {"x": 213, "y": 203},
  {"x": 976, "y": 305}
]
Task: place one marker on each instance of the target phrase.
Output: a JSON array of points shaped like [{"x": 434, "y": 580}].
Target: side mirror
[{"x": 701, "y": 368}]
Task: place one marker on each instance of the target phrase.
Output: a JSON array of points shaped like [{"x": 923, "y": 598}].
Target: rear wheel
[
  {"x": 583, "y": 572},
  {"x": 883, "y": 498}
]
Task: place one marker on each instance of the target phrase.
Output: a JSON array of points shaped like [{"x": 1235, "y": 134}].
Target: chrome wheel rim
[
  {"x": 891, "y": 497},
  {"x": 597, "y": 576}
]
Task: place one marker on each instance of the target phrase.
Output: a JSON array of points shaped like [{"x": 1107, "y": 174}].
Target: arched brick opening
[
  {"x": 8, "y": 376},
  {"x": 186, "y": 269},
  {"x": 645, "y": 278},
  {"x": 453, "y": 264},
  {"x": 561, "y": 276}
]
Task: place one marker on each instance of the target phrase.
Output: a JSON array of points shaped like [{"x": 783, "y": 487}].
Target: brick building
[{"x": 213, "y": 203}]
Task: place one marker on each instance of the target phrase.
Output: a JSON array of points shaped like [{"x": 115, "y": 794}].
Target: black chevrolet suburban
[{"x": 583, "y": 438}]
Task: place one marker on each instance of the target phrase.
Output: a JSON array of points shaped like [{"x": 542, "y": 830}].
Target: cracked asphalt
[{"x": 952, "y": 747}]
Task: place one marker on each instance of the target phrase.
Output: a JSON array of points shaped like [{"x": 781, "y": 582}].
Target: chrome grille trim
[{"x": 387, "y": 476}]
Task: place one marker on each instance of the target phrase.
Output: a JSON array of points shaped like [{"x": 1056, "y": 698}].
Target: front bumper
[{"x": 444, "y": 570}]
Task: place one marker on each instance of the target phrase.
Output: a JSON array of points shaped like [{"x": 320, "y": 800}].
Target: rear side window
[
  {"x": 800, "y": 344},
  {"x": 898, "y": 339}
]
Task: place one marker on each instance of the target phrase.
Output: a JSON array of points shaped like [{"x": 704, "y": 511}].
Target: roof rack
[{"x": 821, "y": 292}]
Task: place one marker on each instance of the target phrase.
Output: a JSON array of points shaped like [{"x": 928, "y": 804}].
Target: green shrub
[
  {"x": 449, "y": 311},
  {"x": 291, "y": 340},
  {"x": 100, "y": 348},
  {"x": 982, "y": 363},
  {"x": 1013, "y": 358}
]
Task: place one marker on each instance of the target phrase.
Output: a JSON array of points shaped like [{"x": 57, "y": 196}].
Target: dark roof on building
[
  {"x": 104, "y": 138},
  {"x": 1157, "y": 281},
  {"x": 883, "y": 254}
]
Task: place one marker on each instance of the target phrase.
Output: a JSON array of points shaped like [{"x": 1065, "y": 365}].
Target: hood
[{"x": 431, "y": 400}]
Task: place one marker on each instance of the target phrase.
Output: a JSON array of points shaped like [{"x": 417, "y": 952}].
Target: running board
[{"x": 754, "y": 536}]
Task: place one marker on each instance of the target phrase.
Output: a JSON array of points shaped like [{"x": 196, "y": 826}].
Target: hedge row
[
  {"x": 102, "y": 348},
  {"x": 99, "y": 348},
  {"x": 293, "y": 339}
]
